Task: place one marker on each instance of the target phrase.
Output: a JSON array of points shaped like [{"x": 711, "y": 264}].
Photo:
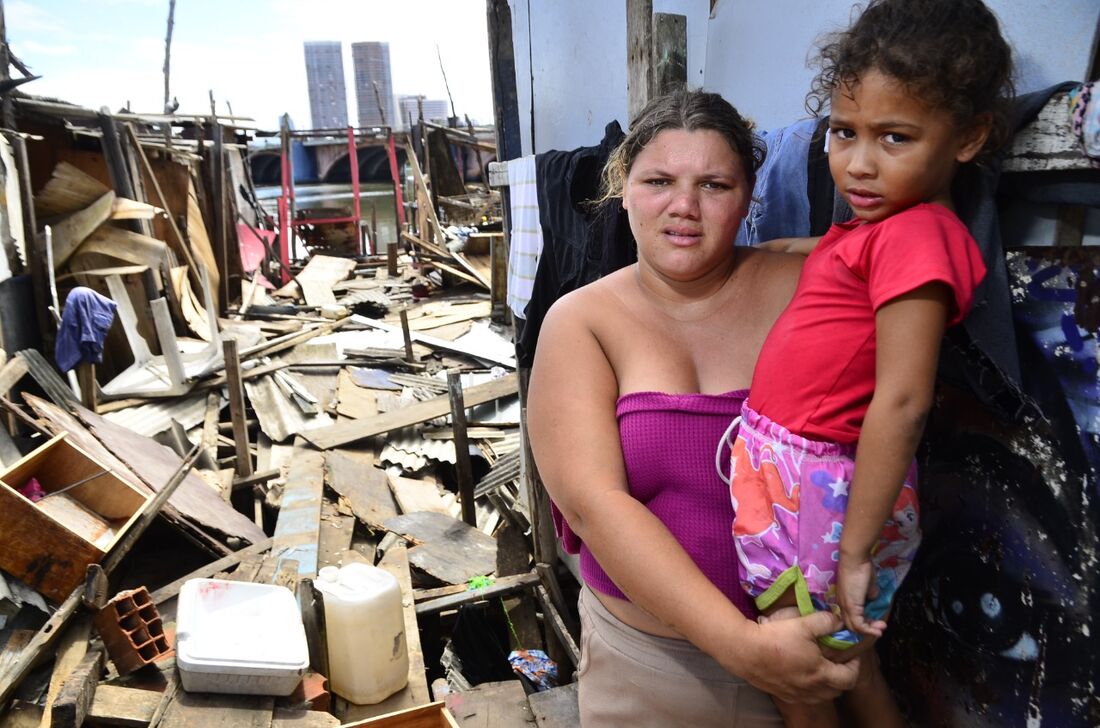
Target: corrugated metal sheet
[
  {"x": 279, "y": 417},
  {"x": 154, "y": 418}
]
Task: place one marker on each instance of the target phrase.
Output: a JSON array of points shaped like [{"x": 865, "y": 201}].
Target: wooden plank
[
  {"x": 669, "y": 53},
  {"x": 558, "y": 625},
  {"x": 337, "y": 531},
  {"x": 434, "y": 715},
  {"x": 67, "y": 235},
  {"x": 74, "y": 700},
  {"x": 419, "y": 494},
  {"x": 639, "y": 54},
  {"x": 297, "y": 530},
  {"x": 296, "y": 718},
  {"x": 447, "y": 549},
  {"x": 236, "y": 407},
  {"x": 556, "y": 708},
  {"x": 168, "y": 591},
  {"x": 210, "y": 710},
  {"x": 70, "y": 653},
  {"x": 463, "y": 468},
  {"x": 416, "y": 692},
  {"x": 119, "y": 706},
  {"x": 502, "y": 587},
  {"x": 365, "y": 487},
  {"x": 491, "y": 705},
  {"x": 13, "y": 370},
  {"x": 341, "y": 434}
]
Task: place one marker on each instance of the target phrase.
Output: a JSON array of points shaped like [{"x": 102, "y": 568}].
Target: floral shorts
[{"x": 789, "y": 498}]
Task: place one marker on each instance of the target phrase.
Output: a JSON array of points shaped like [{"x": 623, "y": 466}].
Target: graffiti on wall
[{"x": 994, "y": 626}]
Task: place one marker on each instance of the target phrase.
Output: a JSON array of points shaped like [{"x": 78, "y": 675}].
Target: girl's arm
[
  {"x": 575, "y": 440},
  {"x": 799, "y": 246},
  {"x": 908, "y": 330}
]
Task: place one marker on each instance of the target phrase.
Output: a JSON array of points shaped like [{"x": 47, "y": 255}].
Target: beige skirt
[{"x": 631, "y": 678}]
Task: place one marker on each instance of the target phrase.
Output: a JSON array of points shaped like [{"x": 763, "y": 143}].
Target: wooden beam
[
  {"x": 127, "y": 707},
  {"x": 243, "y": 466},
  {"x": 344, "y": 433},
  {"x": 74, "y": 701},
  {"x": 669, "y": 53},
  {"x": 639, "y": 55},
  {"x": 463, "y": 468},
  {"x": 502, "y": 587}
]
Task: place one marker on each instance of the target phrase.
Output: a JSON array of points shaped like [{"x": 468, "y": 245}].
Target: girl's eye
[
  {"x": 841, "y": 133},
  {"x": 894, "y": 138}
]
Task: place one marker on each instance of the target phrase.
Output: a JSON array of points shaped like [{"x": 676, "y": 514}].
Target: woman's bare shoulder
[
  {"x": 591, "y": 306},
  {"x": 772, "y": 270}
]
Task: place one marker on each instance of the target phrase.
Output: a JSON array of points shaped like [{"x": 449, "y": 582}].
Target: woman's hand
[{"x": 782, "y": 658}]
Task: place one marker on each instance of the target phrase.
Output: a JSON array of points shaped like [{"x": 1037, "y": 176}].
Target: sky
[{"x": 248, "y": 52}]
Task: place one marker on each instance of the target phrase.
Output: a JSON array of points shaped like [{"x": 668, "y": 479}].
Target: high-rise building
[
  {"x": 371, "y": 61},
  {"x": 437, "y": 110},
  {"x": 328, "y": 103}
]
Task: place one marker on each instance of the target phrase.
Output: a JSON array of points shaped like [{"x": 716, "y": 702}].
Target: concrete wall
[
  {"x": 757, "y": 50},
  {"x": 571, "y": 66}
]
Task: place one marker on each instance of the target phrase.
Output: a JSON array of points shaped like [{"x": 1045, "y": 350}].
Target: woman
[{"x": 635, "y": 379}]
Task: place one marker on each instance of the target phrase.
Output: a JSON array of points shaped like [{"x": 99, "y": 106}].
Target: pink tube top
[{"x": 669, "y": 443}]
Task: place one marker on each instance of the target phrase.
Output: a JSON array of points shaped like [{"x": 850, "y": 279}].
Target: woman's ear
[{"x": 973, "y": 138}]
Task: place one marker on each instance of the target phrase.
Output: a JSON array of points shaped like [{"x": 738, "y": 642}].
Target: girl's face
[
  {"x": 889, "y": 151},
  {"x": 685, "y": 195}
]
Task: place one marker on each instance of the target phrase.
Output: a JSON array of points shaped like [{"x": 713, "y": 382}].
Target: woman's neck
[{"x": 687, "y": 300}]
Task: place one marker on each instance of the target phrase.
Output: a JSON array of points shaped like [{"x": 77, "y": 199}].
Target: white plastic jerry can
[{"x": 368, "y": 657}]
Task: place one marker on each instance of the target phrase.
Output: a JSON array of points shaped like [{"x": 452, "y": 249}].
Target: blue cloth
[
  {"x": 84, "y": 326},
  {"x": 780, "y": 207}
]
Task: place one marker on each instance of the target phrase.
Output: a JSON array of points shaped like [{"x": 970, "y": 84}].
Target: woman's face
[{"x": 685, "y": 196}]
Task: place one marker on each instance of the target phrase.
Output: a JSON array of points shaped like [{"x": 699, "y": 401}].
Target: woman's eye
[
  {"x": 657, "y": 182},
  {"x": 715, "y": 186}
]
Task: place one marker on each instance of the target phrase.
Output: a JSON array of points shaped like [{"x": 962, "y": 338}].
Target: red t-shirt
[{"x": 816, "y": 372}]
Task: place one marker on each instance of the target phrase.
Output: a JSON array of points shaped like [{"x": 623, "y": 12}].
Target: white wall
[
  {"x": 757, "y": 50},
  {"x": 577, "y": 49}
]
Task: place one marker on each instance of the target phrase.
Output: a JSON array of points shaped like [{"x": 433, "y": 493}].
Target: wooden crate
[
  {"x": 49, "y": 544},
  {"x": 434, "y": 715}
]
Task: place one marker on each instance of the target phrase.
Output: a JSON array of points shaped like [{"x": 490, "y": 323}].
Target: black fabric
[
  {"x": 819, "y": 182},
  {"x": 579, "y": 244}
]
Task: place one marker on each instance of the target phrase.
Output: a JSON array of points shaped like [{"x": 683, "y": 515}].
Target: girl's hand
[
  {"x": 782, "y": 658},
  {"x": 855, "y": 584}
]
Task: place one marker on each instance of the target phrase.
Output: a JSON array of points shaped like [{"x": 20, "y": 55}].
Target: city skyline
[
  {"x": 370, "y": 62},
  {"x": 328, "y": 106}
]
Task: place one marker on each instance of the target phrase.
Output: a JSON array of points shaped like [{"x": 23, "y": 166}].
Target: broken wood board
[
  {"x": 211, "y": 710},
  {"x": 194, "y": 311},
  {"x": 121, "y": 706},
  {"x": 125, "y": 245},
  {"x": 337, "y": 531},
  {"x": 69, "y": 189},
  {"x": 556, "y": 708},
  {"x": 299, "y": 718},
  {"x": 297, "y": 530},
  {"x": 201, "y": 248},
  {"x": 365, "y": 487},
  {"x": 149, "y": 466},
  {"x": 352, "y": 401},
  {"x": 415, "y": 693},
  {"x": 67, "y": 235},
  {"x": 419, "y": 494},
  {"x": 321, "y": 273},
  {"x": 447, "y": 548},
  {"x": 344, "y": 433},
  {"x": 490, "y": 705}
]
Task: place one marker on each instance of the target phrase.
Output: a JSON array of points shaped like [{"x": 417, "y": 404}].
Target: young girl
[{"x": 823, "y": 471}]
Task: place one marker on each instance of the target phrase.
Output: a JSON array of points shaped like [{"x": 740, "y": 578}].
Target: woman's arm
[
  {"x": 575, "y": 440},
  {"x": 908, "y": 332}
]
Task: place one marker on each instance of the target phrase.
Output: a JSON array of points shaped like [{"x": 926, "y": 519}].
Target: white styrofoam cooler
[{"x": 239, "y": 637}]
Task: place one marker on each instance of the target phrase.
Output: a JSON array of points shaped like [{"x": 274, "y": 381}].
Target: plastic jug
[{"x": 368, "y": 657}]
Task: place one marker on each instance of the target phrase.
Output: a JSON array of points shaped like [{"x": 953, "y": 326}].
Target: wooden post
[
  {"x": 669, "y": 53},
  {"x": 463, "y": 469},
  {"x": 391, "y": 258},
  {"x": 498, "y": 279},
  {"x": 502, "y": 68},
  {"x": 639, "y": 54},
  {"x": 85, "y": 377},
  {"x": 236, "y": 407},
  {"x": 409, "y": 356}
]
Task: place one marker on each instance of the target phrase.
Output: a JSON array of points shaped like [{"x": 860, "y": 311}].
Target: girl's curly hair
[
  {"x": 948, "y": 53},
  {"x": 691, "y": 110}
]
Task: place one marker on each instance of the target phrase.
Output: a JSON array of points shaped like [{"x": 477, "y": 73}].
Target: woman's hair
[
  {"x": 950, "y": 54},
  {"x": 690, "y": 111}
]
